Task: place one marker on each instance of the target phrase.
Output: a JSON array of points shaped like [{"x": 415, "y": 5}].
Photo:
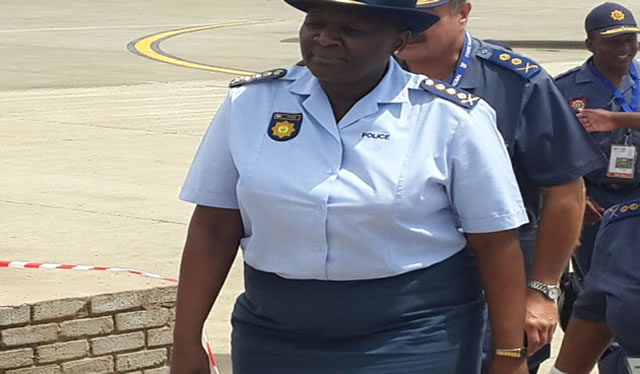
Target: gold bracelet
[{"x": 513, "y": 352}]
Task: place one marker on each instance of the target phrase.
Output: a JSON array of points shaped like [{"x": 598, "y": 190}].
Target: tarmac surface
[{"x": 103, "y": 104}]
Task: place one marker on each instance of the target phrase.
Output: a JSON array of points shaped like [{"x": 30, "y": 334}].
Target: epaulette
[
  {"x": 567, "y": 73},
  {"x": 520, "y": 65},
  {"x": 447, "y": 91},
  {"x": 622, "y": 211},
  {"x": 258, "y": 77}
]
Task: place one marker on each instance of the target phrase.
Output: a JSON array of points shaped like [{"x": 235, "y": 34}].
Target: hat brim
[
  {"x": 618, "y": 30},
  {"x": 425, "y": 4},
  {"x": 414, "y": 19}
]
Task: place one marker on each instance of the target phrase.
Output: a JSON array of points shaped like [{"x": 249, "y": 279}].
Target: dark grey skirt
[{"x": 425, "y": 321}]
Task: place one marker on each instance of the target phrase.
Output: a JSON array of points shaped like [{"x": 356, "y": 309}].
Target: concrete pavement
[{"x": 95, "y": 141}]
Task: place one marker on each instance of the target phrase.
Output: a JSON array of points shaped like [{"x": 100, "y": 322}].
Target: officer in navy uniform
[
  {"x": 608, "y": 80},
  {"x": 549, "y": 148},
  {"x": 609, "y": 305},
  {"x": 345, "y": 182}
]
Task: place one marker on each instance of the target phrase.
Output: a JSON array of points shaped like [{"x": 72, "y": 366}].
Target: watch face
[{"x": 554, "y": 293}]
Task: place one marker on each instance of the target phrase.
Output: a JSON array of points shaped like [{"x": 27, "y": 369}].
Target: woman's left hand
[
  {"x": 508, "y": 365},
  {"x": 595, "y": 120}
]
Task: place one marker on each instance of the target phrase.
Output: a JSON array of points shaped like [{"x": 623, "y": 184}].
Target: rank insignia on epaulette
[
  {"x": 519, "y": 64},
  {"x": 257, "y": 77},
  {"x": 578, "y": 103},
  {"x": 450, "y": 93},
  {"x": 622, "y": 211},
  {"x": 284, "y": 126}
]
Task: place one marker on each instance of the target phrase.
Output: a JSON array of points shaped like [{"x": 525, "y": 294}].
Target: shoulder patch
[
  {"x": 258, "y": 77},
  {"x": 622, "y": 211},
  {"x": 520, "y": 65},
  {"x": 447, "y": 91}
]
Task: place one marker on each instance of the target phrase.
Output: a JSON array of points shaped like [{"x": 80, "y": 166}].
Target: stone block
[
  {"x": 159, "y": 337},
  {"x": 62, "y": 351},
  {"x": 29, "y": 335},
  {"x": 87, "y": 327},
  {"x": 15, "y": 316},
  {"x": 99, "y": 365},
  {"x": 117, "y": 343},
  {"x": 141, "y": 360},
  {"x": 142, "y": 319},
  {"x": 16, "y": 358},
  {"x": 57, "y": 309},
  {"x": 115, "y": 302}
]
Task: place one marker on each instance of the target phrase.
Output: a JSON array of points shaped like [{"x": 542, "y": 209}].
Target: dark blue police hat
[
  {"x": 402, "y": 11},
  {"x": 610, "y": 19}
]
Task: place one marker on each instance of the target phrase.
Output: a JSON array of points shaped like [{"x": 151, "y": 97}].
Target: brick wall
[{"x": 128, "y": 332}]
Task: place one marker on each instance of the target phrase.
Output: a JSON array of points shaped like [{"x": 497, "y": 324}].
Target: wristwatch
[
  {"x": 549, "y": 290},
  {"x": 513, "y": 352}
]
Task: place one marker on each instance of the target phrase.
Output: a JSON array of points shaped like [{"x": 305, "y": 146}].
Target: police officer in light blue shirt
[
  {"x": 345, "y": 182},
  {"x": 609, "y": 305},
  {"x": 608, "y": 80},
  {"x": 549, "y": 149}
]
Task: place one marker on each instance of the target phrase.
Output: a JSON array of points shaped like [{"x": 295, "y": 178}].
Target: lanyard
[
  {"x": 463, "y": 65},
  {"x": 619, "y": 98}
]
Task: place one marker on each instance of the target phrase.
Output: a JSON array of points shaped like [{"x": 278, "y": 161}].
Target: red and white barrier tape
[{"x": 36, "y": 265}]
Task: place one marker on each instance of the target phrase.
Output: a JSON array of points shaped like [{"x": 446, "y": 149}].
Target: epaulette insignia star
[
  {"x": 520, "y": 65},
  {"x": 622, "y": 211},
  {"x": 258, "y": 77},
  {"x": 444, "y": 90}
]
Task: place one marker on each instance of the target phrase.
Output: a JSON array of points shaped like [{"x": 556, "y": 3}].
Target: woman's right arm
[
  {"x": 603, "y": 120},
  {"x": 501, "y": 269},
  {"x": 485, "y": 196},
  {"x": 211, "y": 247}
]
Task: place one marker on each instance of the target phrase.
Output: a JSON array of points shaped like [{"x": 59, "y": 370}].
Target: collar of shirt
[
  {"x": 584, "y": 75},
  {"x": 473, "y": 76},
  {"x": 392, "y": 89}
]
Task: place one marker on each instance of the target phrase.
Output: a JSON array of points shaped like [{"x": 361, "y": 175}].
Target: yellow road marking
[{"x": 149, "y": 46}]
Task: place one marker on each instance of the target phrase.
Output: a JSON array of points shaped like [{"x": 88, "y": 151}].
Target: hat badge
[{"x": 617, "y": 15}]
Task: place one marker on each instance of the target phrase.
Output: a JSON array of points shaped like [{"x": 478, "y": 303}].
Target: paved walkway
[{"x": 95, "y": 140}]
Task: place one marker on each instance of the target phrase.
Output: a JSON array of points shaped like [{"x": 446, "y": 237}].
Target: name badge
[
  {"x": 622, "y": 163},
  {"x": 633, "y": 365}
]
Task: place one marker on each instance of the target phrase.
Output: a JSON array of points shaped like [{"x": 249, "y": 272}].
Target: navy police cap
[
  {"x": 610, "y": 19},
  {"x": 402, "y": 11}
]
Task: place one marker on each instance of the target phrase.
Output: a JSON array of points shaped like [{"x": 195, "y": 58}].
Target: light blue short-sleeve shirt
[{"x": 382, "y": 192}]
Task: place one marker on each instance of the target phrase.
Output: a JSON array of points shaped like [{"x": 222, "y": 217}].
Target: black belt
[{"x": 615, "y": 187}]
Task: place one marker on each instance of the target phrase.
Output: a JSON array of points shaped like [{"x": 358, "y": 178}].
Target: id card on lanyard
[
  {"x": 463, "y": 65},
  {"x": 633, "y": 365},
  {"x": 623, "y": 157}
]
